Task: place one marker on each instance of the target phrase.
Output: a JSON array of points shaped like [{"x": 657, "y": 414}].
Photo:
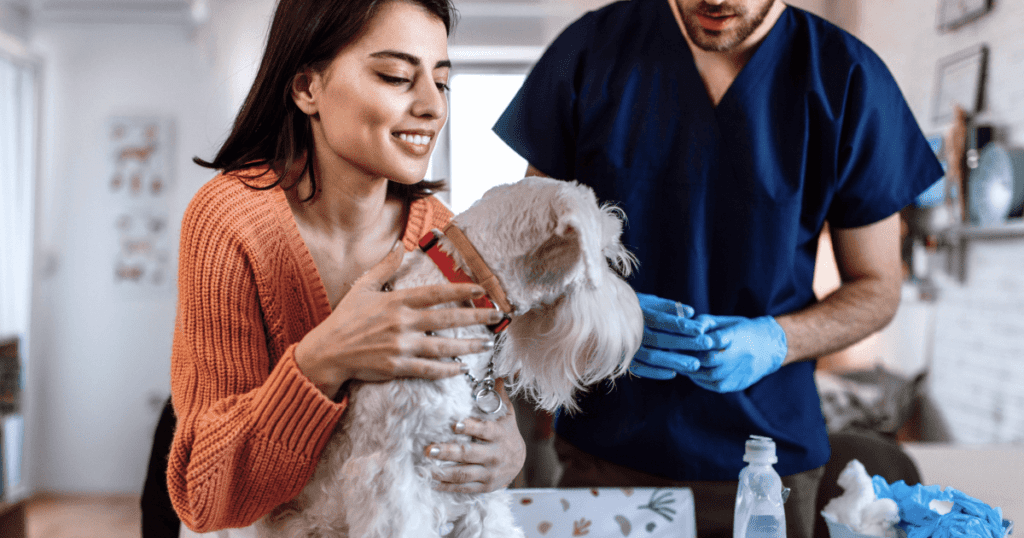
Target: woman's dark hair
[{"x": 270, "y": 129}]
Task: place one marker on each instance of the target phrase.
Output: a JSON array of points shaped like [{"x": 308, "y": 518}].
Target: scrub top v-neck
[{"x": 724, "y": 205}]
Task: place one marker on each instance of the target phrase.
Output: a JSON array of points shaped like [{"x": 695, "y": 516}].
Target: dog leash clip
[{"x": 488, "y": 401}]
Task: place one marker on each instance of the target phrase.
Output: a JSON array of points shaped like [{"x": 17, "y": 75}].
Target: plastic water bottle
[{"x": 759, "y": 498}]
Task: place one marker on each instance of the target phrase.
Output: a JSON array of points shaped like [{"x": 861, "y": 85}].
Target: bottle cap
[{"x": 760, "y": 449}]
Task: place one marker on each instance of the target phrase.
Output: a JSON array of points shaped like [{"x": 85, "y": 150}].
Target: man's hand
[
  {"x": 743, "y": 350},
  {"x": 672, "y": 338}
]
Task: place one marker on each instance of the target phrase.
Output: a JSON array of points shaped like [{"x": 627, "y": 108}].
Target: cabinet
[
  {"x": 12, "y": 503},
  {"x": 12, "y": 519}
]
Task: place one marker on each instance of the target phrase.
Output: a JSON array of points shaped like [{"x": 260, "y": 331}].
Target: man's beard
[{"x": 725, "y": 40}]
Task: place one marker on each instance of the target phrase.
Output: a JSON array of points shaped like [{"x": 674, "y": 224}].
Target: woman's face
[{"x": 381, "y": 103}]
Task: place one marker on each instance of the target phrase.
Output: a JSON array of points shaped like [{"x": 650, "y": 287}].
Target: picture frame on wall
[
  {"x": 960, "y": 79},
  {"x": 956, "y": 13}
]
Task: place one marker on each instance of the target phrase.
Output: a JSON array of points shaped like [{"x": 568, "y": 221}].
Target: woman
[{"x": 285, "y": 257}]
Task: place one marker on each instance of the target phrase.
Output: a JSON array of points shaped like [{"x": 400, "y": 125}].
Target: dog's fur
[{"x": 557, "y": 254}]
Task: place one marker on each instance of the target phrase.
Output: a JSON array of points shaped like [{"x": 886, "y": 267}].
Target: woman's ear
[{"x": 305, "y": 90}]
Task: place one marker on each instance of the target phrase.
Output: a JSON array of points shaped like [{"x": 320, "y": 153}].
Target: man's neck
[{"x": 718, "y": 69}]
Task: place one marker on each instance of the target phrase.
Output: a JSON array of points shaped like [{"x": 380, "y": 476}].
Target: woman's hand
[
  {"x": 373, "y": 335},
  {"x": 488, "y": 464}
]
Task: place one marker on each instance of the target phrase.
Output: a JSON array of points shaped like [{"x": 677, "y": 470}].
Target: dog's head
[{"x": 558, "y": 256}]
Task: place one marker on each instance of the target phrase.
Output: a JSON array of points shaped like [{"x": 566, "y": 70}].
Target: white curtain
[{"x": 17, "y": 189}]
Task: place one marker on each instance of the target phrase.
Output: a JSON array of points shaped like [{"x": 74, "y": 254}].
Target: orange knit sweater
[{"x": 251, "y": 426}]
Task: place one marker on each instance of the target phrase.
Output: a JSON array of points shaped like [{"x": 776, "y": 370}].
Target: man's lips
[{"x": 715, "y": 23}]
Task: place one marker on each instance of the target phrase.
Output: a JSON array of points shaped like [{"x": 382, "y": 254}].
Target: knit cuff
[{"x": 293, "y": 411}]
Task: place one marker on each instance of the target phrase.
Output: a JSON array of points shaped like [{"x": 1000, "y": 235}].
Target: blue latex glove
[
  {"x": 967, "y": 517},
  {"x": 744, "y": 350},
  {"x": 672, "y": 337}
]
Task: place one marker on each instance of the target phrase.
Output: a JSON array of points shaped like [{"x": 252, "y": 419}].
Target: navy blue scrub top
[{"x": 724, "y": 205}]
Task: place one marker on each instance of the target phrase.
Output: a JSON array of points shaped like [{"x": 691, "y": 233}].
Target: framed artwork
[
  {"x": 138, "y": 187},
  {"x": 956, "y": 13},
  {"x": 960, "y": 80}
]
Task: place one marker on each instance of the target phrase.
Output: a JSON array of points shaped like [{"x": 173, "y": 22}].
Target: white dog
[{"x": 556, "y": 257}]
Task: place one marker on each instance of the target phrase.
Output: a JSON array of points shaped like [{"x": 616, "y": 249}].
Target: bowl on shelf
[{"x": 996, "y": 186}]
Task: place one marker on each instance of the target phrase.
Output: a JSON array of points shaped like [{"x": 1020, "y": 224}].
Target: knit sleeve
[{"x": 248, "y": 437}]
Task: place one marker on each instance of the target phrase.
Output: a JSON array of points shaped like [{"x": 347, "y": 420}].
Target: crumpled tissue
[
  {"x": 859, "y": 507},
  {"x": 930, "y": 511}
]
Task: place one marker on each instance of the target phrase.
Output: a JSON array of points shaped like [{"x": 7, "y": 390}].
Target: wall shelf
[
  {"x": 1007, "y": 230},
  {"x": 957, "y": 238}
]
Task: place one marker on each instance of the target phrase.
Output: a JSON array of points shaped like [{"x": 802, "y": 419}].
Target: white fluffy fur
[{"x": 556, "y": 253}]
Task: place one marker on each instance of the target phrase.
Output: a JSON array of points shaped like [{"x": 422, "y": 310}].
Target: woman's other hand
[
  {"x": 490, "y": 462},
  {"x": 373, "y": 335}
]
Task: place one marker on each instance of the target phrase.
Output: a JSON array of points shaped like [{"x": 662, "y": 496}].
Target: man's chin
[{"x": 714, "y": 41}]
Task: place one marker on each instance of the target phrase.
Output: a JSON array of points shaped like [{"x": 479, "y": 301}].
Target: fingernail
[
  {"x": 433, "y": 452},
  {"x": 496, "y": 317},
  {"x": 459, "y": 427},
  {"x": 488, "y": 345},
  {"x": 464, "y": 368}
]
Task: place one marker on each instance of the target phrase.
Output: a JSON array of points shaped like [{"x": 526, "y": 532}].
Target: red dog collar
[{"x": 486, "y": 279}]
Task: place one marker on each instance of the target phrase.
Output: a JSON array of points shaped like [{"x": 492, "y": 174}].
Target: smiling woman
[
  {"x": 377, "y": 108},
  {"x": 285, "y": 254}
]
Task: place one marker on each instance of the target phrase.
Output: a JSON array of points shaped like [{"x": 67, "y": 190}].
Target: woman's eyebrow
[{"x": 406, "y": 57}]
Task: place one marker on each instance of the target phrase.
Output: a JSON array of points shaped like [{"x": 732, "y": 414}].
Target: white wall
[
  {"x": 101, "y": 359},
  {"x": 975, "y": 326},
  {"x": 903, "y": 33}
]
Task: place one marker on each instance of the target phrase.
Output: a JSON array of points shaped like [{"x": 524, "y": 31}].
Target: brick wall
[
  {"x": 975, "y": 330},
  {"x": 977, "y": 363}
]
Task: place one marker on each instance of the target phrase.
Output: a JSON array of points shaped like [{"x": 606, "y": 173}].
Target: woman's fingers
[
  {"x": 465, "y": 453},
  {"x": 425, "y": 368},
  {"x": 490, "y": 462},
  {"x": 437, "y": 319},
  {"x": 463, "y": 479},
  {"x": 454, "y": 486},
  {"x": 433, "y": 295},
  {"x": 472, "y": 473},
  {"x": 439, "y": 347}
]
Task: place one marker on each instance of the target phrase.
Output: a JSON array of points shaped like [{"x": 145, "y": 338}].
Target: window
[
  {"x": 18, "y": 124},
  {"x": 478, "y": 159}
]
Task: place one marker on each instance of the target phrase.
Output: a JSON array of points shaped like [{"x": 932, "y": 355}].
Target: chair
[{"x": 159, "y": 520}]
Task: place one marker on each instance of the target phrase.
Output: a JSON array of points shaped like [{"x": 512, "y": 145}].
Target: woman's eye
[
  {"x": 393, "y": 80},
  {"x": 443, "y": 87}
]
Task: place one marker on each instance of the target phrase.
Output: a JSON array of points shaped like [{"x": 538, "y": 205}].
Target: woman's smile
[{"x": 414, "y": 142}]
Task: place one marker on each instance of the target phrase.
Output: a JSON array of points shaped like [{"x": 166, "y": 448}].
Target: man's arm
[
  {"x": 532, "y": 171},
  {"x": 868, "y": 260}
]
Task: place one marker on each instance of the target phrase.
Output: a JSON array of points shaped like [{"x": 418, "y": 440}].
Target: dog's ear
[
  {"x": 574, "y": 243},
  {"x": 557, "y": 257}
]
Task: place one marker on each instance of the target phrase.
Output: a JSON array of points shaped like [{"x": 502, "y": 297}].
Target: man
[{"x": 729, "y": 131}]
